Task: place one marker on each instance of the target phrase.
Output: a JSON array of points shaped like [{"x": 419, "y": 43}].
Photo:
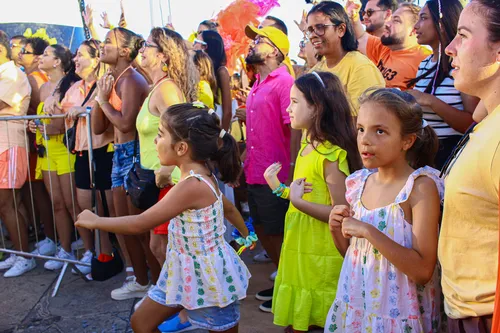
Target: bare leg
[
  {"x": 62, "y": 217},
  {"x": 158, "y": 246},
  {"x": 13, "y": 219},
  {"x": 44, "y": 207},
  {"x": 271, "y": 243},
  {"x": 150, "y": 315}
]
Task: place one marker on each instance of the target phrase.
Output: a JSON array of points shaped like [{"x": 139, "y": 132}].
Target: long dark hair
[
  {"x": 215, "y": 48},
  {"x": 337, "y": 15},
  {"x": 332, "y": 120},
  {"x": 68, "y": 65},
  {"x": 410, "y": 114},
  {"x": 129, "y": 40},
  {"x": 446, "y": 28},
  {"x": 202, "y": 131}
]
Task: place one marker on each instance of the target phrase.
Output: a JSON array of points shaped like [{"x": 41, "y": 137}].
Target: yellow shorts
[{"x": 57, "y": 158}]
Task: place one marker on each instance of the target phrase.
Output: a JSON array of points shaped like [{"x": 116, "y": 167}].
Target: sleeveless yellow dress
[{"x": 310, "y": 263}]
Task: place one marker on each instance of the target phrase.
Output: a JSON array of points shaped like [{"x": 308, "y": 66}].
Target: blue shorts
[
  {"x": 123, "y": 160},
  {"x": 211, "y": 318}
]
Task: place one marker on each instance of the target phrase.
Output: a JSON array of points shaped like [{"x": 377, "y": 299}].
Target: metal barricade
[{"x": 25, "y": 253}]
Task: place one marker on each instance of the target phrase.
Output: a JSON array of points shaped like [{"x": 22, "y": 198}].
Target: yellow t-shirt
[
  {"x": 357, "y": 73},
  {"x": 468, "y": 241},
  {"x": 205, "y": 94}
]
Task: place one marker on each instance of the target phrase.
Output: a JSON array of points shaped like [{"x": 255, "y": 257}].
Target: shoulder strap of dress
[
  {"x": 200, "y": 177},
  {"x": 119, "y": 76}
]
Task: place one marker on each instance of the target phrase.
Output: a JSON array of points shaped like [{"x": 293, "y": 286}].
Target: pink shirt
[{"x": 268, "y": 131}]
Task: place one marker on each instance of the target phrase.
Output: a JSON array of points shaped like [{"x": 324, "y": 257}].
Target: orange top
[
  {"x": 40, "y": 76},
  {"x": 114, "y": 99},
  {"x": 397, "y": 67}
]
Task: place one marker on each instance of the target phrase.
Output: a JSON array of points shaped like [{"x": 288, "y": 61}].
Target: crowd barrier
[{"x": 25, "y": 253}]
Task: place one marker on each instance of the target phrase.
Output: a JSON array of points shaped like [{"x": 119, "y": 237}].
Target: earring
[
  {"x": 54, "y": 66},
  {"x": 164, "y": 67}
]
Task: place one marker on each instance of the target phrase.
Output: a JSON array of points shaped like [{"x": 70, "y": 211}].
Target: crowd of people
[{"x": 371, "y": 173}]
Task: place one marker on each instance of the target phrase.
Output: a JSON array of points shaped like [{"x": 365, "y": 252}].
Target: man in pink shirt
[{"x": 269, "y": 139}]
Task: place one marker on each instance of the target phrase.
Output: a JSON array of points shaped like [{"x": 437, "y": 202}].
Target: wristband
[{"x": 286, "y": 193}]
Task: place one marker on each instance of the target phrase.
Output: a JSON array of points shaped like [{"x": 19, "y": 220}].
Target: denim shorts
[
  {"x": 123, "y": 160},
  {"x": 211, "y": 318}
]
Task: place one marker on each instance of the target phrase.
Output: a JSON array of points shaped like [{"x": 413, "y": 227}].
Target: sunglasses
[
  {"x": 370, "y": 12},
  {"x": 145, "y": 44},
  {"x": 318, "y": 29},
  {"x": 23, "y": 51},
  {"x": 197, "y": 41},
  {"x": 260, "y": 40}
]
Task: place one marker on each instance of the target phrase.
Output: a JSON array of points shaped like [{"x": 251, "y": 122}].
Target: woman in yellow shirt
[
  {"x": 332, "y": 36},
  {"x": 208, "y": 85}
]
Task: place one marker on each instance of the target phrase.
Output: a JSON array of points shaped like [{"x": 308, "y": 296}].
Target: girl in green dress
[{"x": 310, "y": 261}]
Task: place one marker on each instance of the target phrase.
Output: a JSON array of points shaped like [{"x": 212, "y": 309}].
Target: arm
[
  {"x": 99, "y": 121},
  {"x": 418, "y": 262},
  {"x": 352, "y": 8},
  {"x": 296, "y": 137},
  {"x": 3, "y": 105},
  {"x": 35, "y": 95},
  {"x": 223, "y": 81},
  {"x": 88, "y": 17},
  {"x": 234, "y": 217}
]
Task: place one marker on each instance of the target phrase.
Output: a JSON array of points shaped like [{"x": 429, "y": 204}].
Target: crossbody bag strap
[
  {"x": 136, "y": 143},
  {"x": 91, "y": 91}
]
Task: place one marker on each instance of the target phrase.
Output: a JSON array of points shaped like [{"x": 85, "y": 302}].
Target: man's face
[
  {"x": 399, "y": 28},
  {"x": 16, "y": 46},
  {"x": 260, "y": 49},
  {"x": 374, "y": 17}
]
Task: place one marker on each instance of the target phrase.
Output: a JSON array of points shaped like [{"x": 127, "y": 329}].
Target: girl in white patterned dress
[
  {"x": 389, "y": 280},
  {"x": 202, "y": 272}
]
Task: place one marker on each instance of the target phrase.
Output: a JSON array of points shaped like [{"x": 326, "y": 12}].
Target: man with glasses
[
  {"x": 269, "y": 139},
  {"x": 396, "y": 53},
  {"x": 16, "y": 44},
  {"x": 14, "y": 100},
  {"x": 376, "y": 14}
]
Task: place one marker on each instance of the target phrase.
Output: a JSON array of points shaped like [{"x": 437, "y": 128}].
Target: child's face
[
  {"x": 166, "y": 152},
  {"x": 379, "y": 136},
  {"x": 301, "y": 112}
]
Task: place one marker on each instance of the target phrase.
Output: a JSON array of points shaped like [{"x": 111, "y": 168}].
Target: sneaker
[
  {"x": 266, "y": 306},
  {"x": 265, "y": 295},
  {"x": 77, "y": 245},
  {"x": 53, "y": 265},
  {"x": 173, "y": 324},
  {"x": 45, "y": 247},
  {"x": 262, "y": 257},
  {"x": 130, "y": 289},
  {"x": 21, "y": 266},
  {"x": 8, "y": 263},
  {"x": 272, "y": 277},
  {"x": 87, "y": 258}
]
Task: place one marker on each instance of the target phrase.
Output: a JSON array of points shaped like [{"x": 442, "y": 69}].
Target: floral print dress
[
  {"x": 373, "y": 295},
  {"x": 201, "y": 269}
]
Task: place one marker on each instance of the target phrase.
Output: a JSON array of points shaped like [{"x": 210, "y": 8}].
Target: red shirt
[{"x": 268, "y": 130}]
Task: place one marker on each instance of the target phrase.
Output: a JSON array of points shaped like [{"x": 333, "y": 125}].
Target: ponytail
[
  {"x": 208, "y": 142},
  {"x": 424, "y": 150},
  {"x": 68, "y": 65}
]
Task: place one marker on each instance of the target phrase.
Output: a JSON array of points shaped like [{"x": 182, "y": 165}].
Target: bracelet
[
  {"x": 247, "y": 242},
  {"x": 286, "y": 193},
  {"x": 279, "y": 189}
]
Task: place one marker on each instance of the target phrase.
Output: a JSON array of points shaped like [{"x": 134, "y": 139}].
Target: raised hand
[{"x": 105, "y": 21}]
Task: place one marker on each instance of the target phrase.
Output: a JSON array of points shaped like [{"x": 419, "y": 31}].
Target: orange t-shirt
[{"x": 397, "y": 67}]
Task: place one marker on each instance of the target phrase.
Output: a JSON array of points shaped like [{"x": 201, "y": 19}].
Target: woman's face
[
  {"x": 425, "y": 28},
  {"x": 199, "y": 44},
  {"x": 48, "y": 60},
  {"x": 325, "y": 38},
  {"x": 85, "y": 65},
  {"x": 476, "y": 61},
  {"x": 151, "y": 57},
  {"x": 109, "y": 48},
  {"x": 300, "y": 111}
]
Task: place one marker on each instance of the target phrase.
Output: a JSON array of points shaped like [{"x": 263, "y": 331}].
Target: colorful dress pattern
[
  {"x": 201, "y": 269},
  {"x": 374, "y": 296},
  {"x": 310, "y": 263}
]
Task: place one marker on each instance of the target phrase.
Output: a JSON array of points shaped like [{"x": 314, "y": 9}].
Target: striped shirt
[{"x": 445, "y": 91}]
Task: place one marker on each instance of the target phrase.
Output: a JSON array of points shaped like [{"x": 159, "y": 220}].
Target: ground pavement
[{"x": 26, "y": 305}]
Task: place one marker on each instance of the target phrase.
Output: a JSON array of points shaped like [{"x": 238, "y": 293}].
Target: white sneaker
[
  {"x": 130, "y": 289},
  {"x": 87, "y": 258},
  {"x": 262, "y": 257},
  {"x": 77, "y": 245},
  {"x": 45, "y": 247},
  {"x": 8, "y": 263},
  {"x": 53, "y": 265},
  {"x": 21, "y": 266},
  {"x": 272, "y": 277}
]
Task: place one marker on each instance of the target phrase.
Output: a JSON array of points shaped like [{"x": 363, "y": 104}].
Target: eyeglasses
[
  {"x": 23, "y": 51},
  {"x": 318, "y": 29},
  {"x": 260, "y": 40},
  {"x": 370, "y": 12},
  {"x": 12, "y": 45},
  {"x": 303, "y": 42},
  {"x": 145, "y": 44}
]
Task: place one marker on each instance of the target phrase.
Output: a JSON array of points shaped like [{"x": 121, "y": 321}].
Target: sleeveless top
[
  {"x": 373, "y": 295},
  {"x": 147, "y": 127},
  {"x": 201, "y": 269},
  {"x": 114, "y": 99}
]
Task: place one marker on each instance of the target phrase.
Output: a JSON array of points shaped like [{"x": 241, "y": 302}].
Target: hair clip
[
  {"x": 319, "y": 79},
  {"x": 198, "y": 105},
  {"x": 222, "y": 133}
]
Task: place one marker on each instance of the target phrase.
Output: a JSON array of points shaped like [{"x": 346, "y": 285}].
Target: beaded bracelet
[
  {"x": 247, "y": 242},
  {"x": 279, "y": 190}
]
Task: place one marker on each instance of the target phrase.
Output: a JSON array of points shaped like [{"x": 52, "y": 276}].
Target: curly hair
[{"x": 181, "y": 68}]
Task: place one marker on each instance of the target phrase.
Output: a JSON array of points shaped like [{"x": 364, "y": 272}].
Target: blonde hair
[{"x": 180, "y": 65}]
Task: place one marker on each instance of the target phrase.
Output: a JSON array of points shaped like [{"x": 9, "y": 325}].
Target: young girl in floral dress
[
  {"x": 202, "y": 272},
  {"x": 389, "y": 280}
]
